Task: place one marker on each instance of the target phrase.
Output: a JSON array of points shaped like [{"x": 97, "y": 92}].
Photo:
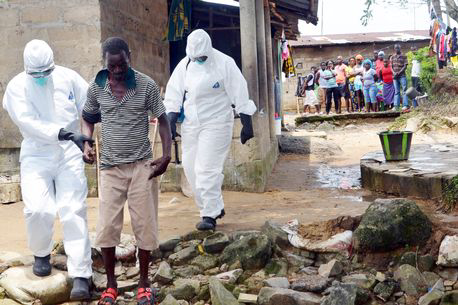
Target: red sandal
[
  {"x": 147, "y": 296},
  {"x": 109, "y": 296}
]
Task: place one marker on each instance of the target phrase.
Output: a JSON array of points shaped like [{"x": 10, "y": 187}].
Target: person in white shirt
[{"x": 415, "y": 74}]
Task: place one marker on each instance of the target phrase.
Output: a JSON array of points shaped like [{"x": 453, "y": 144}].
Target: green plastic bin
[{"x": 396, "y": 144}]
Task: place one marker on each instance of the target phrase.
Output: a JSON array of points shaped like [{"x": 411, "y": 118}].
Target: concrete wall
[
  {"x": 313, "y": 56},
  {"x": 142, "y": 24}
]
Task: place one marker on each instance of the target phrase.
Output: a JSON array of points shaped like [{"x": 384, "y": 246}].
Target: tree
[{"x": 450, "y": 5}]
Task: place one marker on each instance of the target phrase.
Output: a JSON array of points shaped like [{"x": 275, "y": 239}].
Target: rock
[
  {"x": 170, "y": 244},
  {"x": 411, "y": 280},
  {"x": 183, "y": 256},
  {"x": 450, "y": 298},
  {"x": 439, "y": 285},
  {"x": 448, "y": 252},
  {"x": 297, "y": 262},
  {"x": 59, "y": 262},
  {"x": 345, "y": 294},
  {"x": 408, "y": 258},
  {"x": 125, "y": 251},
  {"x": 205, "y": 262},
  {"x": 388, "y": 224},
  {"x": 277, "y": 282},
  {"x": 23, "y": 286},
  {"x": 174, "y": 200},
  {"x": 310, "y": 283},
  {"x": 215, "y": 243},
  {"x": 366, "y": 281},
  {"x": 9, "y": 302},
  {"x": 431, "y": 298},
  {"x": 253, "y": 251},
  {"x": 185, "y": 289},
  {"x": 197, "y": 235},
  {"x": 325, "y": 126},
  {"x": 219, "y": 294},
  {"x": 294, "y": 144},
  {"x": 6, "y": 256},
  {"x": 187, "y": 271},
  {"x": 132, "y": 272},
  {"x": 449, "y": 274},
  {"x": 279, "y": 296},
  {"x": 278, "y": 267},
  {"x": 384, "y": 290},
  {"x": 169, "y": 300},
  {"x": 276, "y": 235},
  {"x": 230, "y": 277},
  {"x": 248, "y": 298},
  {"x": 333, "y": 268},
  {"x": 431, "y": 278},
  {"x": 164, "y": 274},
  {"x": 309, "y": 270},
  {"x": 412, "y": 124},
  {"x": 381, "y": 277},
  {"x": 25, "y": 260},
  {"x": 425, "y": 262}
]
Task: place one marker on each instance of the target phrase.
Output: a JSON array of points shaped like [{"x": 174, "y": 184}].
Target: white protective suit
[
  {"x": 52, "y": 171},
  {"x": 206, "y": 132}
]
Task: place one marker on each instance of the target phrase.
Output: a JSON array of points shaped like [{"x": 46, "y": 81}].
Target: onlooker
[
  {"x": 379, "y": 62},
  {"x": 370, "y": 89},
  {"x": 415, "y": 74},
  {"x": 386, "y": 75},
  {"x": 374, "y": 60},
  {"x": 351, "y": 83},
  {"x": 323, "y": 83},
  {"x": 358, "y": 84},
  {"x": 309, "y": 92},
  {"x": 332, "y": 90},
  {"x": 341, "y": 80},
  {"x": 399, "y": 64}
]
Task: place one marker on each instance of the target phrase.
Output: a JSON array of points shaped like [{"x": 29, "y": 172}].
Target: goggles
[{"x": 41, "y": 74}]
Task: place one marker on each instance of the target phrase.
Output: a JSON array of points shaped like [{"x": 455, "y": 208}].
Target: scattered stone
[
  {"x": 279, "y": 296},
  {"x": 132, "y": 272},
  {"x": 212, "y": 271},
  {"x": 219, "y": 294},
  {"x": 411, "y": 280},
  {"x": 205, "y": 262},
  {"x": 224, "y": 268},
  {"x": 325, "y": 126},
  {"x": 169, "y": 300},
  {"x": 164, "y": 274},
  {"x": 215, "y": 243},
  {"x": 310, "y": 283},
  {"x": 366, "y": 281},
  {"x": 187, "y": 271},
  {"x": 277, "y": 282},
  {"x": 449, "y": 274},
  {"x": 449, "y": 283},
  {"x": 450, "y": 298},
  {"x": 278, "y": 267},
  {"x": 6, "y": 256},
  {"x": 391, "y": 223},
  {"x": 381, "y": 277},
  {"x": 183, "y": 256},
  {"x": 426, "y": 262},
  {"x": 309, "y": 270},
  {"x": 2, "y": 293},
  {"x": 59, "y": 262},
  {"x": 276, "y": 234},
  {"x": 230, "y": 277},
  {"x": 24, "y": 287},
  {"x": 289, "y": 144},
  {"x": 341, "y": 294},
  {"x": 170, "y": 244},
  {"x": 248, "y": 298},
  {"x": 448, "y": 252},
  {"x": 297, "y": 262},
  {"x": 439, "y": 285},
  {"x": 408, "y": 258},
  {"x": 333, "y": 268},
  {"x": 384, "y": 290},
  {"x": 253, "y": 251},
  {"x": 25, "y": 260},
  {"x": 197, "y": 235},
  {"x": 185, "y": 289},
  {"x": 431, "y": 298},
  {"x": 129, "y": 294},
  {"x": 431, "y": 278}
]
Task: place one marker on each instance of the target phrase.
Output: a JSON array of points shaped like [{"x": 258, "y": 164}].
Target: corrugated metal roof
[{"x": 305, "y": 41}]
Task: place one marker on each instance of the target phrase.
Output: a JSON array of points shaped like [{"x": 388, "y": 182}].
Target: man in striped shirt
[{"x": 121, "y": 97}]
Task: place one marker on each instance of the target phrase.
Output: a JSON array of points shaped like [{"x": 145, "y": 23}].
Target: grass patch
[{"x": 450, "y": 194}]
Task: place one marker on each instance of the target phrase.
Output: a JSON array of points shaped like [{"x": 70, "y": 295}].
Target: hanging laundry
[
  {"x": 179, "y": 23},
  {"x": 288, "y": 65},
  {"x": 284, "y": 50}
]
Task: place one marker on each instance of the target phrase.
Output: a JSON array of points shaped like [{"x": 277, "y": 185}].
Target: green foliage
[
  {"x": 428, "y": 67},
  {"x": 450, "y": 193}
]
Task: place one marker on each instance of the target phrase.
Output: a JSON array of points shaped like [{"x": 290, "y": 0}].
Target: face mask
[
  {"x": 200, "y": 62},
  {"x": 41, "y": 81}
]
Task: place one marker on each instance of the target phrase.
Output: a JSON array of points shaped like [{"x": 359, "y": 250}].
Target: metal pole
[{"x": 270, "y": 69}]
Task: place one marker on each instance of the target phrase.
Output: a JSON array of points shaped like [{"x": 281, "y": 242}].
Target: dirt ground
[{"x": 311, "y": 188}]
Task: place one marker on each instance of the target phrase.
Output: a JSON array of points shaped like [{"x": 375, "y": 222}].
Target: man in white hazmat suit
[
  {"x": 207, "y": 83},
  {"x": 45, "y": 102}
]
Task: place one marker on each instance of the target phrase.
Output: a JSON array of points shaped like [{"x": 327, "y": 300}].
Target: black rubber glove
[
  {"x": 76, "y": 137},
  {"x": 247, "y": 129},
  {"x": 173, "y": 118}
]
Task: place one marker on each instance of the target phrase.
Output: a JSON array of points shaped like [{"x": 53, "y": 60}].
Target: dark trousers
[
  {"x": 330, "y": 93},
  {"x": 416, "y": 83}
]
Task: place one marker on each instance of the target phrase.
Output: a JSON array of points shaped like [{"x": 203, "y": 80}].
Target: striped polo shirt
[{"x": 125, "y": 123}]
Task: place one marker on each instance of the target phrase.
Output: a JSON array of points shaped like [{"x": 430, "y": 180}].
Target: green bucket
[{"x": 396, "y": 144}]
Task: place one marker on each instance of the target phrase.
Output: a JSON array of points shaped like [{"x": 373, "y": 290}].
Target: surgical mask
[
  {"x": 41, "y": 81},
  {"x": 200, "y": 62}
]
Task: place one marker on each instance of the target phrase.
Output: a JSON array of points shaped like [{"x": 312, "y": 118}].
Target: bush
[{"x": 428, "y": 67}]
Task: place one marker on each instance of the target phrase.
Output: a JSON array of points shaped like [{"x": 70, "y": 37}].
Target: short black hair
[{"x": 115, "y": 45}]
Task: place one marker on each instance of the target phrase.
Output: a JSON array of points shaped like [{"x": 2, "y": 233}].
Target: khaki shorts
[{"x": 128, "y": 182}]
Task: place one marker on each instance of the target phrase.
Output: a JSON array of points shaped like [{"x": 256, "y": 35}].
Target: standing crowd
[{"x": 362, "y": 85}]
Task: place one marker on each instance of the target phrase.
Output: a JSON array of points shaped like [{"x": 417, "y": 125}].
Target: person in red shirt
[
  {"x": 386, "y": 74},
  {"x": 341, "y": 80},
  {"x": 379, "y": 61}
]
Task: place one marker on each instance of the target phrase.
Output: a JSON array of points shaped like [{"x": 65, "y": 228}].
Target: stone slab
[{"x": 346, "y": 116}]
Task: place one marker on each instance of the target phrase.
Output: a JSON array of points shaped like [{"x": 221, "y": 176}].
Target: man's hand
[
  {"x": 88, "y": 153},
  {"x": 158, "y": 166}
]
